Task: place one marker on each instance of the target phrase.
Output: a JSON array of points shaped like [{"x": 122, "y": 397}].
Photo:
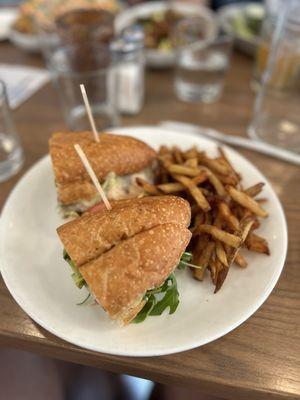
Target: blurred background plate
[
  {"x": 25, "y": 41},
  {"x": 243, "y": 22},
  {"x": 158, "y": 58}
]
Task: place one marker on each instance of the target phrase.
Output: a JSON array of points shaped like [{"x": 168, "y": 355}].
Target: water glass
[
  {"x": 73, "y": 60},
  {"x": 201, "y": 64},
  {"x": 90, "y": 65},
  {"x": 276, "y": 112},
  {"x": 11, "y": 154}
]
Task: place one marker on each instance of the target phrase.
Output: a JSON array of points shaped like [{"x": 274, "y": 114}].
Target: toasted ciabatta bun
[
  {"x": 114, "y": 153},
  {"x": 88, "y": 236},
  {"x": 120, "y": 277}
]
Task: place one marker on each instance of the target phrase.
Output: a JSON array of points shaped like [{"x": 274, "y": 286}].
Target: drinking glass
[
  {"x": 201, "y": 64},
  {"x": 75, "y": 57},
  {"x": 11, "y": 154},
  {"x": 276, "y": 116}
]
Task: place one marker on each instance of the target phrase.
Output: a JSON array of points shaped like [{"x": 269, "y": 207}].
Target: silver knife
[{"x": 249, "y": 144}]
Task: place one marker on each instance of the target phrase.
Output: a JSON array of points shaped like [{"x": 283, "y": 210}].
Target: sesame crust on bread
[
  {"x": 87, "y": 237},
  {"x": 120, "y": 277},
  {"x": 114, "y": 153}
]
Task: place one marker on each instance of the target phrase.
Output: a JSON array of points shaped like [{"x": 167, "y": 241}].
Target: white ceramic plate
[
  {"x": 7, "y": 18},
  {"x": 226, "y": 15},
  {"x": 156, "y": 58},
  {"x": 38, "y": 278},
  {"x": 25, "y": 41}
]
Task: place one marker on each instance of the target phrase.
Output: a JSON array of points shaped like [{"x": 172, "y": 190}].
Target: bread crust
[
  {"x": 123, "y": 155},
  {"x": 87, "y": 237},
  {"x": 120, "y": 277}
]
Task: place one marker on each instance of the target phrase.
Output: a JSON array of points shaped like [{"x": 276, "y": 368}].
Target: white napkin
[{"x": 21, "y": 82}]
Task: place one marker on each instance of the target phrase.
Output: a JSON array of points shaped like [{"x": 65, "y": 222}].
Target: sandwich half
[
  {"x": 116, "y": 160},
  {"x": 122, "y": 254}
]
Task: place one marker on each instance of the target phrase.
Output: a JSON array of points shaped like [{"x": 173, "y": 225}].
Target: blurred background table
[{"x": 258, "y": 360}]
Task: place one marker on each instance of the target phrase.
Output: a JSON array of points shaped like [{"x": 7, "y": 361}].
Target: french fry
[
  {"x": 164, "y": 150},
  {"x": 199, "y": 218},
  {"x": 257, "y": 243},
  {"x": 164, "y": 175},
  {"x": 208, "y": 219},
  {"x": 221, "y": 254},
  {"x": 226, "y": 214},
  {"x": 221, "y": 272},
  {"x": 256, "y": 224},
  {"x": 206, "y": 192},
  {"x": 177, "y": 154},
  {"x": 262, "y": 200},
  {"x": 216, "y": 233},
  {"x": 254, "y": 190},
  {"x": 147, "y": 187},
  {"x": 183, "y": 170},
  {"x": 242, "y": 233},
  {"x": 195, "y": 192},
  {"x": 218, "y": 221},
  {"x": 199, "y": 245},
  {"x": 192, "y": 162},
  {"x": 228, "y": 179},
  {"x": 166, "y": 159},
  {"x": 172, "y": 187},
  {"x": 226, "y": 160},
  {"x": 191, "y": 153},
  {"x": 202, "y": 177},
  {"x": 238, "y": 211},
  {"x": 240, "y": 260},
  {"x": 245, "y": 226},
  {"x": 213, "y": 266},
  {"x": 214, "y": 164},
  {"x": 246, "y": 201},
  {"x": 201, "y": 257},
  {"x": 217, "y": 184}
]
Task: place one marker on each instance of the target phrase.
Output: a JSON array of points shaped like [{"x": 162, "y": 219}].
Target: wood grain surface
[{"x": 258, "y": 360}]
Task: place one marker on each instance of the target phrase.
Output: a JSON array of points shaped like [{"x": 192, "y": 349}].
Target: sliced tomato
[{"x": 96, "y": 208}]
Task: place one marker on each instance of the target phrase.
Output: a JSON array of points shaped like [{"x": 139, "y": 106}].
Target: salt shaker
[{"x": 128, "y": 53}]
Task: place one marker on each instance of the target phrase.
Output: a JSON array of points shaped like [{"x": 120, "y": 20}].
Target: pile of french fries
[{"x": 225, "y": 215}]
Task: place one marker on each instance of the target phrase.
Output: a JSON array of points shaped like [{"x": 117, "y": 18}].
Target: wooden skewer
[
  {"x": 89, "y": 113},
  {"x": 92, "y": 175}
]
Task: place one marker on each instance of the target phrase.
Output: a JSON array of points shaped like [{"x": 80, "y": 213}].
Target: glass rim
[
  {"x": 202, "y": 44},
  {"x": 220, "y": 37},
  {"x": 67, "y": 50},
  {"x": 80, "y": 74}
]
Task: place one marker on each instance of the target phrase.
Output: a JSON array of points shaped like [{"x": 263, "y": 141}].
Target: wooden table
[{"x": 258, "y": 360}]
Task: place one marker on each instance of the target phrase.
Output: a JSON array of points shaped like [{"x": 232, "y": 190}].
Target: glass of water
[
  {"x": 276, "y": 118},
  {"x": 11, "y": 154},
  {"x": 81, "y": 59},
  {"x": 201, "y": 64},
  {"x": 90, "y": 65}
]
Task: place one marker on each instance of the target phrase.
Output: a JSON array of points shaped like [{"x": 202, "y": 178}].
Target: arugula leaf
[
  {"x": 83, "y": 302},
  {"x": 170, "y": 299},
  {"x": 153, "y": 306},
  {"x": 76, "y": 276},
  {"x": 185, "y": 261},
  {"x": 185, "y": 258},
  {"x": 161, "y": 289},
  {"x": 142, "y": 315}
]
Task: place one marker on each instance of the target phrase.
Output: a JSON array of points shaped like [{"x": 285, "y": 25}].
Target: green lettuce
[
  {"x": 158, "y": 299},
  {"x": 76, "y": 275}
]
